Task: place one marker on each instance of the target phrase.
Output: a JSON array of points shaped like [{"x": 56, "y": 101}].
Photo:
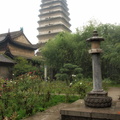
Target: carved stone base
[{"x": 98, "y": 100}]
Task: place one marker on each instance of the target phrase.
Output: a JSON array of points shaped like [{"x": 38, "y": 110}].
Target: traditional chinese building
[
  {"x": 54, "y": 18},
  {"x": 6, "y": 65},
  {"x": 15, "y": 44}
]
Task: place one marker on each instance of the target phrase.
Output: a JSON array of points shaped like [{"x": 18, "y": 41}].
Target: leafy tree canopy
[
  {"x": 72, "y": 48},
  {"x": 23, "y": 66}
]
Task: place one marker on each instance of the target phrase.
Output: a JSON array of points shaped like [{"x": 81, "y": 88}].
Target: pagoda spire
[{"x": 54, "y": 18}]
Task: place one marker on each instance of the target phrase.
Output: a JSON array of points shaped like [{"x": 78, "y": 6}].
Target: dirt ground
[{"x": 53, "y": 113}]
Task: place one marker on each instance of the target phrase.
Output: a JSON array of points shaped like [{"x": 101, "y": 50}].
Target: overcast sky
[{"x": 15, "y": 14}]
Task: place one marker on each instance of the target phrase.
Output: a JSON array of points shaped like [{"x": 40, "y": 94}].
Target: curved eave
[
  {"x": 8, "y": 38},
  {"x": 50, "y": 19},
  {"x": 25, "y": 46},
  {"x": 3, "y": 40},
  {"x": 21, "y": 45},
  {"x": 50, "y": 26},
  {"x": 65, "y": 8},
  {"x": 6, "y": 59},
  {"x": 67, "y": 23},
  {"x": 53, "y": 13},
  {"x": 41, "y": 35},
  {"x": 51, "y": 2}
]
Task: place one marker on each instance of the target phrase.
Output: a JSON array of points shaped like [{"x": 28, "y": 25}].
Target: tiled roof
[
  {"x": 5, "y": 59},
  {"x": 2, "y": 38},
  {"x": 17, "y": 34},
  {"x": 12, "y": 34}
]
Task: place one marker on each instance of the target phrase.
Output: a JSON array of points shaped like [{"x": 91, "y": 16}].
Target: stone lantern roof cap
[{"x": 95, "y": 37}]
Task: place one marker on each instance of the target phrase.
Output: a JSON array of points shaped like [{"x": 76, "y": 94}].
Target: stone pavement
[
  {"x": 114, "y": 92},
  {"x": 53, "y": 113}
]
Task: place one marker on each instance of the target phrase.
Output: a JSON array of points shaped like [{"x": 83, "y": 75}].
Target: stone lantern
[{"x": 97, "y": 98}]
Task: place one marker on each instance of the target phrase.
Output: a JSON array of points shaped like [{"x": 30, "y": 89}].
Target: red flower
[
  {"x": 119, "y": 112},
  {"x": 30, "y": 72}
]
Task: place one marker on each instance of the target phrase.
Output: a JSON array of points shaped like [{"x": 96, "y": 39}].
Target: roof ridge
[{"x": 10, "y": 32}]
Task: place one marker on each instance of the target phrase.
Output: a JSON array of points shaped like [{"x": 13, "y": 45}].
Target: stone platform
[{"x": 81, "y": 112}]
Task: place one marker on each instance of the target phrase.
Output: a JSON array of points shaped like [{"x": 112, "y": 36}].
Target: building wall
[
  {"x": 21, "y": 51},
  {"x": 5, "y": 70}
]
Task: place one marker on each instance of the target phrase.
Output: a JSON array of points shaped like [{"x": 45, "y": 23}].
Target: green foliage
[
  {"x": 68, "y": 72},
  {"x": 37, "y": 60},
  {"x": 23, "y": 66},
  {"x": 72, "y": 48},
  {"x": 28, "y": 94},
  {"x": 62, "y": 76},
  {"x": 81, "y": 87},
  {"x": 111, "y": 55},
  {"x": 59, "y": 50}
]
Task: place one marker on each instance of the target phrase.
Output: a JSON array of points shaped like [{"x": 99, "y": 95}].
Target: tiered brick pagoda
[{"x": 54, "y": 18}]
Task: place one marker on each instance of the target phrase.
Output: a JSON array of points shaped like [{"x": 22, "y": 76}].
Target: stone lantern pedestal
[
  {"x": 97, "y": 104},
  {"x": 97, "y": 98}
]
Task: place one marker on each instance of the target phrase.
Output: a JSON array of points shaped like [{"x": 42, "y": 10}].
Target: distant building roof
[
  {"x": 13, "y": 35},
  {"x": 5, "y": 59}
]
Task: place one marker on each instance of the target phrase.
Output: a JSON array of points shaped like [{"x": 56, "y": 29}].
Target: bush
[
  {"x": 28, "y": 94},
  {"x": 68, "y": 71},
  {"x": 23, "y": 66},
  {"x": 81, "y": 87}
]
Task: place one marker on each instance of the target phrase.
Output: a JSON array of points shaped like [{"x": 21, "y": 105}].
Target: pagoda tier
[{"x": 54, "y": 18}]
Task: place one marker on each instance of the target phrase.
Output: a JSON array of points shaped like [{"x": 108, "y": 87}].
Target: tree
[
  {"x": 23, "y": 66},
  {"x": 72, "y": 48},
  {"x": 59, "y": 50},
  {"x": 111, "y": 47},
  {"x": 69, "y": 72}
]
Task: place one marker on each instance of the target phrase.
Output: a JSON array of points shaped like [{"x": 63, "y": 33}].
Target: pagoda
[{"x": 54, "y": 18}]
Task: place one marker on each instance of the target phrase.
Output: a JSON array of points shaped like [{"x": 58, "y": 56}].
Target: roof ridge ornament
[
  {"x": 21, "y": 29},
  {"x": 8, "y": 30}
]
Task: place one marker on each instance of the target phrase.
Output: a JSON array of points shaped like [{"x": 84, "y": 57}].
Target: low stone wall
[
  {"x": 80, "y": 118},
  {"x": 81, "y": 112}
]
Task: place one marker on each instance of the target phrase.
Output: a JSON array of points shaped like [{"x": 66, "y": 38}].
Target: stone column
[
  {"x": 45, "y": 72},
  {"x": 97, "y": 98},
  {"x": 97, "y": 78}
]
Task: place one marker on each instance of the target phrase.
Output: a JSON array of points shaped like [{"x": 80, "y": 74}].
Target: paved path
[
  {"x": 114, "y": 92},
  {"x": 53, "y": 113}
]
